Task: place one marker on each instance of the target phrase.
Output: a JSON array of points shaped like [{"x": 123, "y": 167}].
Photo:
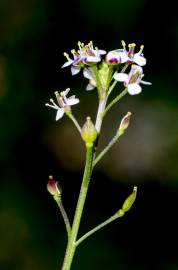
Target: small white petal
[
  {"x": 93, "y": 59},
  {"x": 90, "y": 87},
  {"x": 87, "y": 74},
  {"x": 139, "y": 60},
  {"x": 101, "y": 52},
  {"x": 68, "y": 63},
  {"x": 72, "y": 101},
  {"x": 134, "y": 89},
  {"x": 60, "y": 113},
  {"x": 123, "y": 56},
  {"x": 75, "y": 70},
  {"x": 113, "y": 57},
  {"x": 121, "y": 77}
]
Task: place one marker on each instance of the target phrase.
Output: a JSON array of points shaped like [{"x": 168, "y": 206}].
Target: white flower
[
  {"x": 132, "y": 80},
  {"x": 124, "y": 56},
  {"x": 64, "y": 103},
  {"x": 86, "y": 55},
  {"x": 136, "y": 58}
]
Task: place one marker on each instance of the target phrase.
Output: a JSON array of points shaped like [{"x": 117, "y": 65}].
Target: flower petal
[
  {"x": 113, "y": 57},
  {"x": 139, "y": 60},
  {"x": 60, "y": 113},
  {"x": 134, "y": 89},
  {"x": 93, "y": 59},
  {"x": 101, "y": 52},
  {"x": 72, "y": 101},
  {"x": 75, "y": 70},
  {"x": 123, "y": 56},
  {"x": 121, "y": 77},
  {"x": 68, "y": 63},
  {"x": 90, "y": 87},
  {"x": 87, "y": 74}
]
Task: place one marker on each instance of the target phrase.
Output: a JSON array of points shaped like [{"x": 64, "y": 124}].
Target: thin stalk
[
  {"x": 65, "y": 217},
  {"x": 114, "y": 101},
  {"x": 106, "y": 149},
  {"x": 71, "y": 247},
  {"x": 70, "y": 115},
  {"x": 103, "y": 224},
  {"x": 115, "y": 82},
  {"x": 112, "y": 87}
]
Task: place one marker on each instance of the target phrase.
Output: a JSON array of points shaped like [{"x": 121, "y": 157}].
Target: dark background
[{"x": 33, "y": 36}]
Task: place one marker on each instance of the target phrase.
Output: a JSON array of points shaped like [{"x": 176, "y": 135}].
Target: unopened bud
[
  {"x": 89, "y": 132},
  {"x": 53, "y": 187},
  {"x": 124, "y": 123},
  {"x": 129, "y": 201}
]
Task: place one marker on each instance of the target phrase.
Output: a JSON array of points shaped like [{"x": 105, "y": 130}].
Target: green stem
[
  {"x": 106, "y": 149},
  {"x": 112, "y": 87},
  {"x": 103, "y": 224},
  {"x": 114, "y": 101},
  {"x": 99, "y": 117},
  {"x": 70, "y": 115},
  {"x": 65, "y": 217},
  {"x": 71, "y": 247},
  {"x": 98, "y": 81},
  {"x": 115, "y": 82}
]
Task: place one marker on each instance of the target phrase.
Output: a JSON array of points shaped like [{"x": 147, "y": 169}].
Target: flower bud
[
  {"x": 89, "y": 132},
  {"x": 124, "y": 123},
  {"x": 105, "y": 75},
  {"x": 53, "y": 187},
  {"x": 129, "y": 201}
]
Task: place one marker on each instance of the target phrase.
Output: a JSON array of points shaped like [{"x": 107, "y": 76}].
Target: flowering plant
[{"x": 103, "y": 70}]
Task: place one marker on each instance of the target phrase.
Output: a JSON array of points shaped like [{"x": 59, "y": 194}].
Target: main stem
[
  {"x": 71, "y": 247},
  {"x": 90, "y": 153}
]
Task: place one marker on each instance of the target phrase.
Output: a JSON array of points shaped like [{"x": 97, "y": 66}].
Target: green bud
[
  {"x": 89, "y": 132},
  {"x": 105, "y": 75},
  {"x": 124, "y": 123},
  {"x": 129, "y": 201}
]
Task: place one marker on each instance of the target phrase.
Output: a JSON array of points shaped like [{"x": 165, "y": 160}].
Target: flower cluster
[
  {"x": 102, "y": 69},
  {"x": 88, "y": 57}
]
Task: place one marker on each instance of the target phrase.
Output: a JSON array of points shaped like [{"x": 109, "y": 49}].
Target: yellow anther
[
  {"x": 123, "y": 43},
  {"x": 62, "y": 94},
  {"x": 131, "y": 45},
  {"x": 141, "y": 48},
  {"x": 56, "y": 93},
  {"x": 65, "y": 54}
]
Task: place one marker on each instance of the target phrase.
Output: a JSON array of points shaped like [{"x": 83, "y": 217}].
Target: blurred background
[{"x": 33, "y": 36}]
